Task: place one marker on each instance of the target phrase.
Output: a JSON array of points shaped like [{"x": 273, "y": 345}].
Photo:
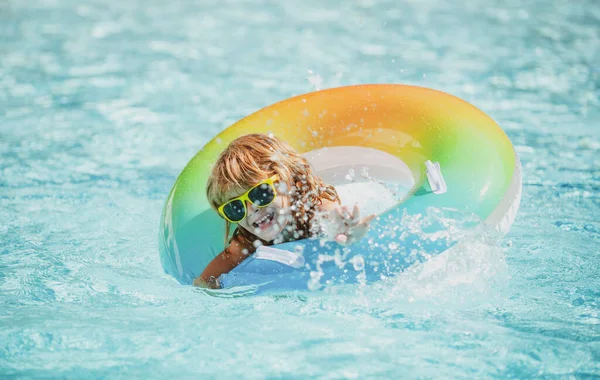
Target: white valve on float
[{"x": 435, "y": 177}]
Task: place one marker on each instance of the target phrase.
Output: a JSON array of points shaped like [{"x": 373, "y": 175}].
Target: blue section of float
[{"x": 387, "y": 249}]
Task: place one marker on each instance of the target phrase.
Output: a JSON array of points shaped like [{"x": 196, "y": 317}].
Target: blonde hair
[{"x": 252, "y": 158}]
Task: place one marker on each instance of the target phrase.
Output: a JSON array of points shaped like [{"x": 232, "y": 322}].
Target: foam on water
[{"x": 371, "y": 197}]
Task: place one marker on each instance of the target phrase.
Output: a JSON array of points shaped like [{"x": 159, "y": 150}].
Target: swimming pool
[{"x": 103, "y": 103}]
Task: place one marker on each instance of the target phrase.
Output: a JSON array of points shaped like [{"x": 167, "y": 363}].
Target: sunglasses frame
[{"x": 244, "y": 197}]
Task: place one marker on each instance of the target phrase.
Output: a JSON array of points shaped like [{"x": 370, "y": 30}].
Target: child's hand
[{"x": 345, "y": 227}]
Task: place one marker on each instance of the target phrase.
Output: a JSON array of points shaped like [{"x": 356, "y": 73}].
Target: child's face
[{"x": 268, "y": 222}]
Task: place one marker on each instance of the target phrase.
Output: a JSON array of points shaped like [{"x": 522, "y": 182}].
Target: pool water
[{"x": 102, "y": 103}]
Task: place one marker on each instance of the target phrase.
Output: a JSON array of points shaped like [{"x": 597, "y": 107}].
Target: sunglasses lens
[
  {"x": 262, "y": 195},
  {"x": 235, "y": 210}
]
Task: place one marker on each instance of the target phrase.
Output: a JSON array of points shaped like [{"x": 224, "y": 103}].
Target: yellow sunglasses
[{"x": 260, "y": 195}]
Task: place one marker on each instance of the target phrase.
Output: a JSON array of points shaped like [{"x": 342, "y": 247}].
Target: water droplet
[{"x": 358, "y": 263}]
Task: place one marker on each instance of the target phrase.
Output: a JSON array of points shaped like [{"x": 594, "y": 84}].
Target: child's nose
[{"x": 251, "y": 207}]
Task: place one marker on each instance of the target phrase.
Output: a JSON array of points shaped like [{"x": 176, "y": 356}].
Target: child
[{"x": 268, "y": 189}]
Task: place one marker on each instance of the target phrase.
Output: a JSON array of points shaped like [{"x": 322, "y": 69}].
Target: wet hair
[{"x": 252, "y": 158}]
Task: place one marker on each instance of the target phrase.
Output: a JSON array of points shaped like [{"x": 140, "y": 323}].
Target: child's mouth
[{"x": 264, "y": 222}]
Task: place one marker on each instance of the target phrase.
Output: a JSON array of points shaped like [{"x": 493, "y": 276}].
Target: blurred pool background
[{"x": 102, "y": 103}]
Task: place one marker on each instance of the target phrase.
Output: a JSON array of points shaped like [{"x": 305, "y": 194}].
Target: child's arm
[{"x": 236, "y": 252}]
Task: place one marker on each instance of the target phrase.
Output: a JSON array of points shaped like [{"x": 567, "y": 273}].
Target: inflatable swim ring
[{"x": 450, "y": 156}]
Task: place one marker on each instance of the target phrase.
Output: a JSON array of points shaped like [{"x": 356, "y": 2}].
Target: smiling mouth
[{"x": 265, "y": 221}]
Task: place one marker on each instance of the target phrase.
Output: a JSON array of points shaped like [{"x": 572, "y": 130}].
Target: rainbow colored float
[{"x": 450, "y": 155}]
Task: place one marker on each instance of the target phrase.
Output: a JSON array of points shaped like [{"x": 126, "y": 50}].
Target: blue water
[{"x": 102, "y": 103}]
